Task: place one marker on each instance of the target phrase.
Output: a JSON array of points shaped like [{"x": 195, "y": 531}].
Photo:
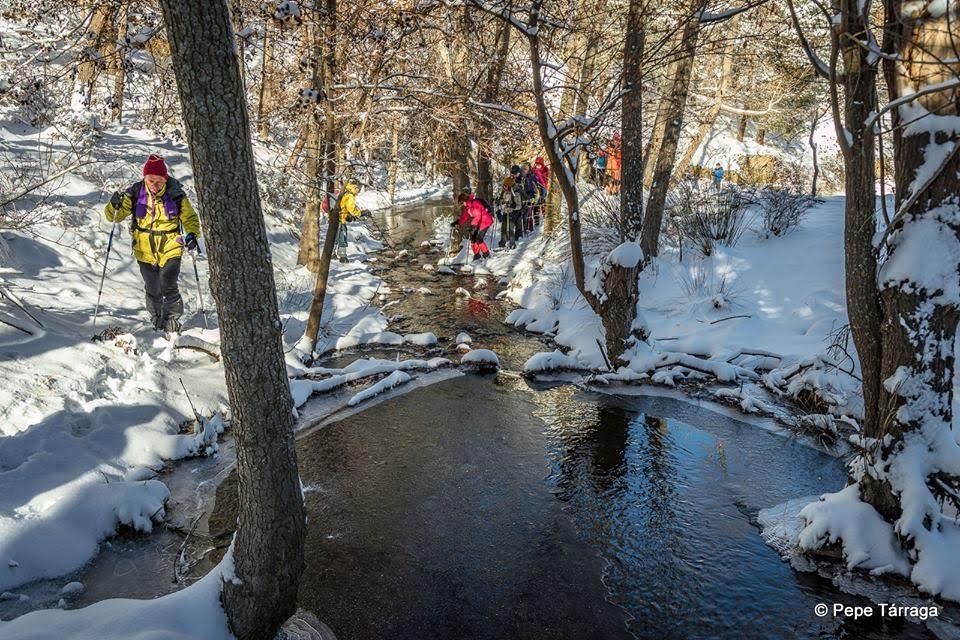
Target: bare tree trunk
[
  {"x": 618, "y": 307},
  {"x": 268, "y": 546},
  {"x": 119, "y": 66},
  {"x": 294, "y": 160},
  {"x": 266, "y": 80},
  {"x": 309, "y": 251},
  {"x": 742, "y": 128},
  {"x": 493, "y": 80},
  {"x": 394, "y": 160},
  {"x": 859, "y": 79},
  {"x": 761, "y": 135},
  {"x": 726, "y": 72},
  {"x": 315, "y": 148},
  {"x": 676, "y": 101},
  {"x": 631, "y": 116},
  {"x": 568, "y": 99},
  {"x": 236, "y": 13},
  {"x": 813, "y": 149},
  {"x": 102, "y": 37},
  {"x": 330, "y": 150},
  {"x": 662, "y": 114}
]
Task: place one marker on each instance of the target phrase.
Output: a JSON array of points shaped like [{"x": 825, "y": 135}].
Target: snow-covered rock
[
  {"x": 72, "y": 590},
  {"x": 481, "y": 359},
  {"x": 421, "y": 339}
]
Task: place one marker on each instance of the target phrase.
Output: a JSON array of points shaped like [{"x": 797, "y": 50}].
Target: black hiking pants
[{"x": 163, "y": 295}]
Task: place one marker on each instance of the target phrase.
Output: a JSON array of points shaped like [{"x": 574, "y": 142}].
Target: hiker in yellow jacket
[
  {"x": 163, "y": 222},
  {"x": 347, "y": 206}
]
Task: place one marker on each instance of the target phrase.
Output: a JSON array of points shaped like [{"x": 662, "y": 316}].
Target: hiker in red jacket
[
  {"x": 476, "y": 214},
  {"x": 542, "y": 172}
]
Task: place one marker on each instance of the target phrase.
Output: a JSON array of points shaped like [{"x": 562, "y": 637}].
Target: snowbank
[{"x": 194, "y": 613}]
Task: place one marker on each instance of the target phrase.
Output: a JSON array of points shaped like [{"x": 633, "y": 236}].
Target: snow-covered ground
[{"x": 86, "y": 425}]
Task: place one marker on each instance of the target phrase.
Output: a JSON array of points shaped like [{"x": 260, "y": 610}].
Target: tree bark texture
[
  {"x": 676, "y": 100},
  {"x": 330, "y": 150},
  {"x": 919, "y": 321},
  {"x": 118, "y": 65},
  {"x": 268, "y": 546},
  {"x": 492, "y": 87},
  {"x": 266, "y": 79},
  {"x": 631, "y": 117},
  {"x": 309, "y": 251},
  {"x": 860, "y": 259}
]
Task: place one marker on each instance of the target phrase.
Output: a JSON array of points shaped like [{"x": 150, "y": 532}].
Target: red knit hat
[{"x": 155, "y": 166}]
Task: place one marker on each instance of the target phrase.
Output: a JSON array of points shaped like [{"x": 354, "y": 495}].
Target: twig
[
  {"x": 730, "y": 318},
  {"x": 604, "y": 354},
  {"x": 194, "y": 409},
  {"x": 181, "y": 554}
]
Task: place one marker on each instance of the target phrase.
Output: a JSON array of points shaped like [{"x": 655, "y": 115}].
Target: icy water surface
[
  {"x": 479, "y": 508},
  {"x": 485, "y": 507}
]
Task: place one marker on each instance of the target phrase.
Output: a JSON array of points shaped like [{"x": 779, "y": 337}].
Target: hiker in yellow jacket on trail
[
  {"x": 348, "y": 209},
  {"x": 163, "y": 222}
]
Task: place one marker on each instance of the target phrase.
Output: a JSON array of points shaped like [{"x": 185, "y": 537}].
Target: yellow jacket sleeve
[
  {"x": 126, "y": 208},
  {"x": 348, "y": 206},
  {"x": 189, "y": 218}
]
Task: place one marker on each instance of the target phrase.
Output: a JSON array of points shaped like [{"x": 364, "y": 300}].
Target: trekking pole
[
  {"x": 196, "y": 274},
  {"x": 103, "y": 275}
]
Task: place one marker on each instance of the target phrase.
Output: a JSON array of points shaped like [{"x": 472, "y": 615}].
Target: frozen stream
[{"x": 487, "y": 507}]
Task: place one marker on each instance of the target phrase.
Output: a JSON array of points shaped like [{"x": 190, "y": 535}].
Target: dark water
[
  {"x": 478, "y": 508},
  {"x": 483, "y": 507}
]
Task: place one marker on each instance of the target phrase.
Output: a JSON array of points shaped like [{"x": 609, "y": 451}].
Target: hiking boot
[{"x": 172, "y": 325}]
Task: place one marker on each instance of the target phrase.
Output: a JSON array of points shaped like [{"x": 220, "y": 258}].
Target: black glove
[
  {"x": 116, "y": 200},
  {"x": 453, "y": 224},
  {"x": 190, "y": 242}
]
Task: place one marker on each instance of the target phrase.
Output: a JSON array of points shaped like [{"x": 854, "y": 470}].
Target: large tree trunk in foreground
[
  {"x": 921, "y": 301},
  {"x": 268, "y": 546},
  {"x": 860, "y": 261},
  {"x": 676, "y": 100}
]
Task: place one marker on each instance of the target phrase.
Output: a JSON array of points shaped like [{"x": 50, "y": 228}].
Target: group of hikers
[
  {"x": 605, "y": 165},
  {"x": 519, "y": 209},
  {"x": 164, "y": 224}
]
